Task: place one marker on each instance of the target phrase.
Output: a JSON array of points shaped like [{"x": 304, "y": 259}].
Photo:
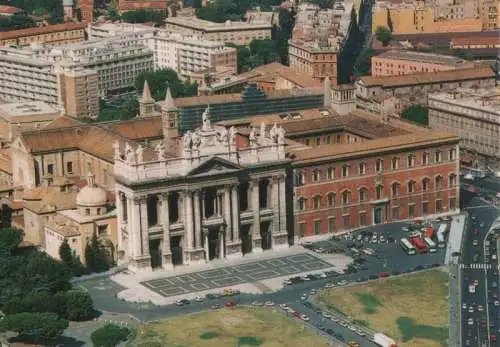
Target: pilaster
[
  {"x": 188, "y": 222},
  {"x": 255, "y": 206},
  {"x": 119, "y": 221},
  {"x": 197, "y": 219},
  {"x": 165, "y": 219}
]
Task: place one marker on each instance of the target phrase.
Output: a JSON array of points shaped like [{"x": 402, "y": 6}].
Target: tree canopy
[
  {"x": 95, "y": 255},
  {"x": 16, "y": 22},
  {"x": 363, "y": 63},
  {"x": 41, "y": 326},
  {"x": 53, "y": 8},
  {"x": 259, "y": 52},
  {"x": 417, "y": 114},
  {"x": 222, "y": 10},
  {"x": 109, "y": 335},
  {"x": 68, "y": 257},
  {"x": 383, "y": 34},
  {"x": 144, "y": 15},
  {"x": 158, "y": 82}
]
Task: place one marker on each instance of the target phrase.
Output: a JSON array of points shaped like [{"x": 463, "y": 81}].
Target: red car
[
  {"x": 383, "y": 274},
  {"x": 296, "y": 314},
  {"x": 493, "y": 338},
  {"x": 231, "y": 303}
]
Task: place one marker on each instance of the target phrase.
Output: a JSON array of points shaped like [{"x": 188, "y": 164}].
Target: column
[
  {"x": 180, "y": 206},
  {"x": 227, "y": 212},
  {"x": 205, "y": 236},
  {"x": 144, "y": 226},
  {"x": 165, "y": 220},
  {"x": 236, "y": 213},
  {"x": 256, "y": 238},
  {"x": 221, "y": 242},
  {"x": 119, "y": 221},
  {"x": 197, "y": 219},
  {"x": 282, "y": 210},
  {"x": 133, "y": 228},
  {"x": 188, "y": 222},
  {"x": 203, "y": 213}
]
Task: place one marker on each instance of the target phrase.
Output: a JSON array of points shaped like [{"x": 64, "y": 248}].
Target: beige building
[
  {"x": 413, "y": 17},
  {"x": 399, "y": 62},
  {"x": 317, "y": 59},
  {"x": 77, "y": 225},
  {"x": 51, "y": 34},
  {"x": 240, "y": 33},
  {"x": 472, "y": 114},
  {"x": 26, "y": 78},
  {"x": 489, "y": 11},
  {"x": 18, "y": 117}
]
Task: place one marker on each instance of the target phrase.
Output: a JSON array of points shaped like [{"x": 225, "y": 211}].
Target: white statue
[
  {"x": 129, "y": 154},
  {"x": 273, "y": 133},
  {"x": 188, "y": 141},
  {"x": 281, "y": 136},
  {"x": 196, "y": 140},
  {"x": 205, "y": 117},
  {"x": 262, "y": 130},
  {"x": 139, "y": 153},
  {"x": 252, "y": 137},
  {"x": 232, "y": 135},
  {"x": 160, "y": 151},
  {"x": 223, "y": 137},
  {"x": 116, "y": 148}
]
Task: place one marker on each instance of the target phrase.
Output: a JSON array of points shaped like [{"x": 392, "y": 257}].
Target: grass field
[
  {"x": 412, "y": 309},
  {"x": 235, "y": 327}
]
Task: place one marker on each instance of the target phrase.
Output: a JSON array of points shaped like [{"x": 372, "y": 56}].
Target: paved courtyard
[{"x": 238, "y": 274}]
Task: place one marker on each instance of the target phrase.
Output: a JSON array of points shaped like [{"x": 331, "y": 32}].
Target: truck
[
  {"x": 440, "y": 235},
  {"x": 384, "y": 340}
]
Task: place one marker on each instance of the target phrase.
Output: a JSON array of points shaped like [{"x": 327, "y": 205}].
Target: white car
[
  {"x": 283, "y": 306},
  {"x": 335, "y": 319},
  {"x": 351, "y": 327},
  {"x": 464, "y": 306},
  {"x": 496, "y": 303},
  {"x": 198, "y": 299},
  {"x": 405, "y": 229},
  {"x": 470, "y": 321},
  {"x": 304, "y": 317},
  {"x": 257, "y": 303},
  {"x": 471, "y": 309},
  {"x": 342, "y": 283},
  {"x": 303, "y": 297},
  {"x": 330, "y": 285},
  {"x": 327, "y": 315},
  {"x": 323, "y": 275},
  {"x": 269, "y": 303},
  {"x": 472, "y": 289}
]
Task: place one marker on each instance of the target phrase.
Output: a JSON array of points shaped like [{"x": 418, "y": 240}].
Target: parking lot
[{"x": 237, "y": 274}]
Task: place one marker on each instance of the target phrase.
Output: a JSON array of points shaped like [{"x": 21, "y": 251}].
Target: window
[
  {"x": 452, "y": 154},
  {"x": 395, "y": 163},
  {"x": 345, "y": 222},
  {"x": 379, "y": 191},
  {"x": 317, "y": 201},
  {"x": 328, "y": 140},
  {"x": 331, "y": 224},
  {"x": 453, "y": 204},
  {"x": 301, "y": 204},
  {"x": 346, "y": 197},
  {"x": 362, "y": 218},
  {"x": 345, "y": 171},
  {"x": 363, "y": 194},
  {"x": 425, "y": 207},
  {"x": 87, "y": 211},
  {"x": 317, "y": 227},
  {"x": 439, "y": 206},
  {"x": 362, "y": 168},
  {"x": 411, "y": 186},
  {"x": 437, "y": 156},
  {"x": 102, "y": 230},
  {"x": 411, "y": 160},
  {"x": 425, "y": 158},
  {"x": 379, "y": 165},
  {"x": 395, "y": 212},
  {"x": 318, "y": 141},
  {"x": 331, "y": 199},
  {"x": 425, "y": 184},
  {"x": 330, "y": 173},
  {"x": 411, "y": 211},
  {"x": 302, "y": 229},
  {"x": 315, "y": 175},
  {"x": 395, "y": 189},
  {"x": 299, "y": 178},
  {"x": 439, "y": 181},
  {"x": 50, "y": 169},
  {"x": 69, "y": 167},
  {"x": 452, "y": 180}
]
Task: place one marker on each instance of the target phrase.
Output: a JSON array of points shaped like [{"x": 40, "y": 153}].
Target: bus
[
  {"x": 431, "y": 245},
  {"x": 407, "y": 246},
  {"x": 440, "y": 235},
  {"x": 419, "y": 244}
]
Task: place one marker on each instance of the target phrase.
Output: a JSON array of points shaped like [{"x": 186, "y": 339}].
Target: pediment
[{"x": 213, "y": 166}]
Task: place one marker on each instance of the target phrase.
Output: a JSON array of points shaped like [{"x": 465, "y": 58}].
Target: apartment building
[
  {"x": 117, "y": 60},
  {"x": 240, "y": 33},
  {"x": 456, "y": 9},
  {"x": 474, "y": 115},
  {"x": 417, "y": 17},
  {"x": 50, "y": 34},
  {"x": 399, "y": 62},
  {"x": 105, "y": 30},
  {"x": 26, "y": 78},
  {"x": 317, "y": 59},
  {"x": 489, "y": 11}
]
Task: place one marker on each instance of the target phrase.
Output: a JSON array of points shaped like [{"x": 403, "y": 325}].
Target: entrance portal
[
  {"x": 213, "y": 243},
  {"x": 154, "y": 249},
  {"x": 176, "y": 248},
  {"x": 246, "y": 239},
  {"x": 378, "y": 217},
  {"x": 265, "y": 234}
]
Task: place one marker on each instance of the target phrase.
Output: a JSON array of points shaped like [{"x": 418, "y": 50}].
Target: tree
[
  {"x": 416, "y": 113},
  {"x": 109, "y": 335},
  {"x": 41, "y": 326},
  {"x": 383, "y": 35},
  {"x": 95, "y": 255},
  {"x": 78, "y": 305},
  {"x": 463, "y": 54},
  {"x": 158, "y": 82},
  {"x": 323, "y": 4},
  {"x": 68, "y": 257},
  {"x": 144, "y": 15},
  {"x": 363, "y": 63},
  {"x": 10, "y": 238},
  {"x": 113, "y": 14},
  {"x": 389, "y": 21}
]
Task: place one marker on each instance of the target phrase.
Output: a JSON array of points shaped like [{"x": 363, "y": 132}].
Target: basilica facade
[{"x": 217, "y": 194}]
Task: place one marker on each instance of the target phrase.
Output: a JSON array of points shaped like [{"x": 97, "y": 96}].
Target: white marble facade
[{"x": 212, "y": 200}]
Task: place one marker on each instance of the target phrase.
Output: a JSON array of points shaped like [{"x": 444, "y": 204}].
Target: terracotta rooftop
[
  {"x": 130, "y": 5},
  {"x": 40, "y": 30},
  {"x": 476, "y": 40},
  {"x": 137, "y": 129},
  {"x": 10, "y": 9},
  {"x": 428, "y": 77},
  {"x": 49, "y": 199},
  {"x": 432, "y": 58},
  {"x": 5, "y": 161},
  {"x": 63, "y": 122}
]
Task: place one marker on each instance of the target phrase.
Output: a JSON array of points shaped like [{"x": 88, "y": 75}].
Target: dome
[{"x": 91, "y": 195}]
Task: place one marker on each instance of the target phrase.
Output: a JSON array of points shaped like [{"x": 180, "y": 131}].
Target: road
[{"x": 475, "y": 267}]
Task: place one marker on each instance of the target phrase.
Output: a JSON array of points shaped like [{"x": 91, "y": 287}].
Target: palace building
[{"x": 220, "y": 195}]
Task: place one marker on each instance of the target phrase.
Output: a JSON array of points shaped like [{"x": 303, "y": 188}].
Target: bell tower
[
  {"x": 169, "y": 116},
  {"x": 146, "y": 102}
]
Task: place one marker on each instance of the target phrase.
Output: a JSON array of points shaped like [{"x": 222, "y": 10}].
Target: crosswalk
[{"x": 476, "y": 266}]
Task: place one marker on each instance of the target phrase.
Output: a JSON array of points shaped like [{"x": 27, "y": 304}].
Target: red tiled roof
[
  {"x": 126, "y": 5},
  {"x": 9, "y": 9},
  {"x": 40, "y": 30}
]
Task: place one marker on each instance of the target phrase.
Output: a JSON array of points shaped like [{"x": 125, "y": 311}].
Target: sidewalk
[{"x": 455, "y": 237}]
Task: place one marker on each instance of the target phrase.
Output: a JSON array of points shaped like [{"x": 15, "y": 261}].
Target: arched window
[
  {"x": 362, "y": 168},
  {"x": 425, "y": 158},
  {"x": 452, "y": 180},
  {"x": 317, "y": 201},
  {"x": 411, "y": 160},
  {"x": 425, "y": 184},
  {"x": 411, "y": 186},
  {"x": 395, "y": 163},
  {"x": 346, "y": 197},
  {"x": 452, "y": 154},
  {"x": 379, "y": 165},
  {"x": 331, "y": 199},
  {"x": 316, "y": 175},
  {"x": 395, "y": 189},
  {"x": 439, "y": 182},
  {"x": 363, "y": 194},
  {"x": 301, "y": 204}
]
